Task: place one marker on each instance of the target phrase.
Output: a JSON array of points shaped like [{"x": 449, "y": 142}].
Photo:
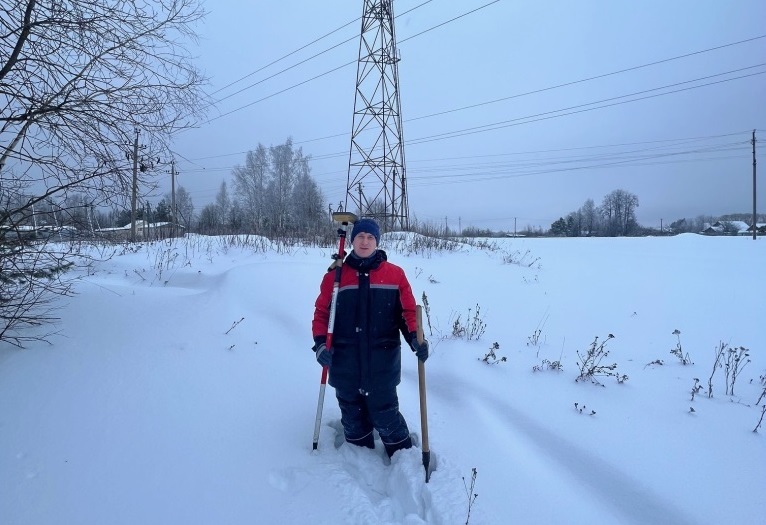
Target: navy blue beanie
[{"x": 366, "y": 226}]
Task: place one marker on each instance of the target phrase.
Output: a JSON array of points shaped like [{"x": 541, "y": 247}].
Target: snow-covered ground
[{"x": 183, "y": 390}]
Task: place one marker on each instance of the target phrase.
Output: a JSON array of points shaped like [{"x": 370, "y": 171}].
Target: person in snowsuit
[{"x": 374, "y": 306}]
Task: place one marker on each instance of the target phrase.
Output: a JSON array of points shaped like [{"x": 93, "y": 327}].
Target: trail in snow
[{"x": 372, "y": 489}]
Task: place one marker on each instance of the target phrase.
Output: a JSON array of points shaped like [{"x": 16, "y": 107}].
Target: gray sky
[{"x": 683, "y": 154}]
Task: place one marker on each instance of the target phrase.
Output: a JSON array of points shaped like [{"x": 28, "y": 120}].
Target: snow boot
[{"x": 391, "y": 448}]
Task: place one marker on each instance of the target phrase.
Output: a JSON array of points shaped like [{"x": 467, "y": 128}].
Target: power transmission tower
[{"x": 377, "y": 143}]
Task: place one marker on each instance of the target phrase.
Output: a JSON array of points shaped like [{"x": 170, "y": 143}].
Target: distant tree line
[
  {"x": 273, "y": 194},
  {"x": 615, "y": 217}
]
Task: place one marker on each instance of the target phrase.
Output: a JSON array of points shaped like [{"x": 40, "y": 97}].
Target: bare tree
[
  {"x": 630, "y": 203},
  {"x": 618, "y": 210},
  {"x": 589, "y": 215},
  {"x": 307, "y": 200},
  {"x": 208, "y": 223},
  {"x": 276, "y": 193},
  {"x": 184, "y": 208},
  {"x": 283, "y": 161},
  {"x": 575, "y": 224},
  {"x": 222, "y": 205},
  {"x": 80, "y": 83},
  {"x": 250, "y": 182}
]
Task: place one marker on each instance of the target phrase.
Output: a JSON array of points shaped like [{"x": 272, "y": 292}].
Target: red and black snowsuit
[{"x": 375, "y": 305}]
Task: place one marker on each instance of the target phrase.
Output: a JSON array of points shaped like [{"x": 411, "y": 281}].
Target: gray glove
[
  {"x": 324, "y": 356},
  {"x": 420, "y": 349}
]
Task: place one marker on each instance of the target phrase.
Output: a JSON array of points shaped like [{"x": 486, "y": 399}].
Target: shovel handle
[{"x": 422, "y": 389}]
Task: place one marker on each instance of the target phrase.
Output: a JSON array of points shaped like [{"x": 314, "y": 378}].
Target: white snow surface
[{"x": 182, "y": 389}]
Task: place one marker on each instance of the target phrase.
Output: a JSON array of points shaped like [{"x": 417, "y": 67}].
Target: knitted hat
[{"x": 366, "y": 226}]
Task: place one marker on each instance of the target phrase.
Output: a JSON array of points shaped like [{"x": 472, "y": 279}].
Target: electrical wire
[
  {"x": 289, "y": 88},
  {"x": 574, "y": 82},
  {"x": 296, "y": 51}
]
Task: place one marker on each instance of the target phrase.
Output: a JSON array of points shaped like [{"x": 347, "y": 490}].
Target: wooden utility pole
[
  {"x": 135, "y": 185},
  {"x": 755, "y": 224},
  {"x": 173, "y": 197}
]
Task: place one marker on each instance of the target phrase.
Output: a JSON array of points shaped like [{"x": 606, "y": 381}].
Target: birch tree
[{"x": 250, "y": 182}]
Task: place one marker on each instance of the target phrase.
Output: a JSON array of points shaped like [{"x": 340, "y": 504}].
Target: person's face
[{"x": 364, "y": 244}]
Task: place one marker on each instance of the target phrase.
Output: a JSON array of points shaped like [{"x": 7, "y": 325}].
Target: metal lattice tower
[{"x": 377, "y": 183}]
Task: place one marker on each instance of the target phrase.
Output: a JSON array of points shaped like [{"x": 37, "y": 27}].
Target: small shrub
[
  {"x": 696, "y": 388},
  {"x": 427, "y": 309},
  {"x": 763, "y": 413},
  {"x": 736, "y": 360},
  {"x": 469, "y": 492},
  {"x": 763, "y": 392},
  {"x": 522, "y": 259},
  {"x": 548, "y": 365},
  {"x": 591, "y": 367},
  {"x": 458, "y": 330},
  {"x": 733, "y": 361},
  {"x": 716, "y": 365},
  {"x": 234, "y": 325},
  {"x": 491, "y": 358},
  {"x": 582, "y": 409},
  {"x": 534, "y": 339},
  {"x": 678, "y": 351},
  {"x": 474, "y": 328}
]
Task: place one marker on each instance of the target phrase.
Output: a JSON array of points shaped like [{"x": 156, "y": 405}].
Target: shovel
[{"x": 423, "y": 409}]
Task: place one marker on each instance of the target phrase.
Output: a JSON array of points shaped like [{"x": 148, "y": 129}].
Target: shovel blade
[{"x": 429, "y": 464}]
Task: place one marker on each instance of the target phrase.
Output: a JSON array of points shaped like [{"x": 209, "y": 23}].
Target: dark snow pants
[{"x": 360, "y": 413}]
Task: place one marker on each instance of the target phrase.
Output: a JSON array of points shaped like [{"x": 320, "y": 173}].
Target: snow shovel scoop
[
  {"x": 343, "y": 218},
  {"x": 430, "y": 467}
]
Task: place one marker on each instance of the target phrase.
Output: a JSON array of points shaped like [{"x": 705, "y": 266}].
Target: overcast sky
[{"x": 538, "y": 99}]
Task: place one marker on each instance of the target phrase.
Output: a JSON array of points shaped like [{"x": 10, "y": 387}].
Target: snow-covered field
[{"x": 183, "y": 390}]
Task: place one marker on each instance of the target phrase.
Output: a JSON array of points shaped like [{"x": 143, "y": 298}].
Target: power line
[
  {"x": 515, "y": 122},
  {"x": 559, "y": 86},
  {"x": 501, "y": 99},
  {"x": 282, "y": 58},
  {"x": 567, "y": 111},
  {"x": 655, "y": 145},
  {"x": 331, "y": 70},
  {"x": 545, "y": 115},
  {"x": 503, "y": 174},
  {"x": 448, "y": 21},
  {"x": 574, "y": 82},
  {"x": 296, "y": 51},
  {"x": 503, "y": 124},
  {"x": 280, "y": 92},
  {"x": 619, "y": 158},
  {"x": 284, "y": 71}
]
